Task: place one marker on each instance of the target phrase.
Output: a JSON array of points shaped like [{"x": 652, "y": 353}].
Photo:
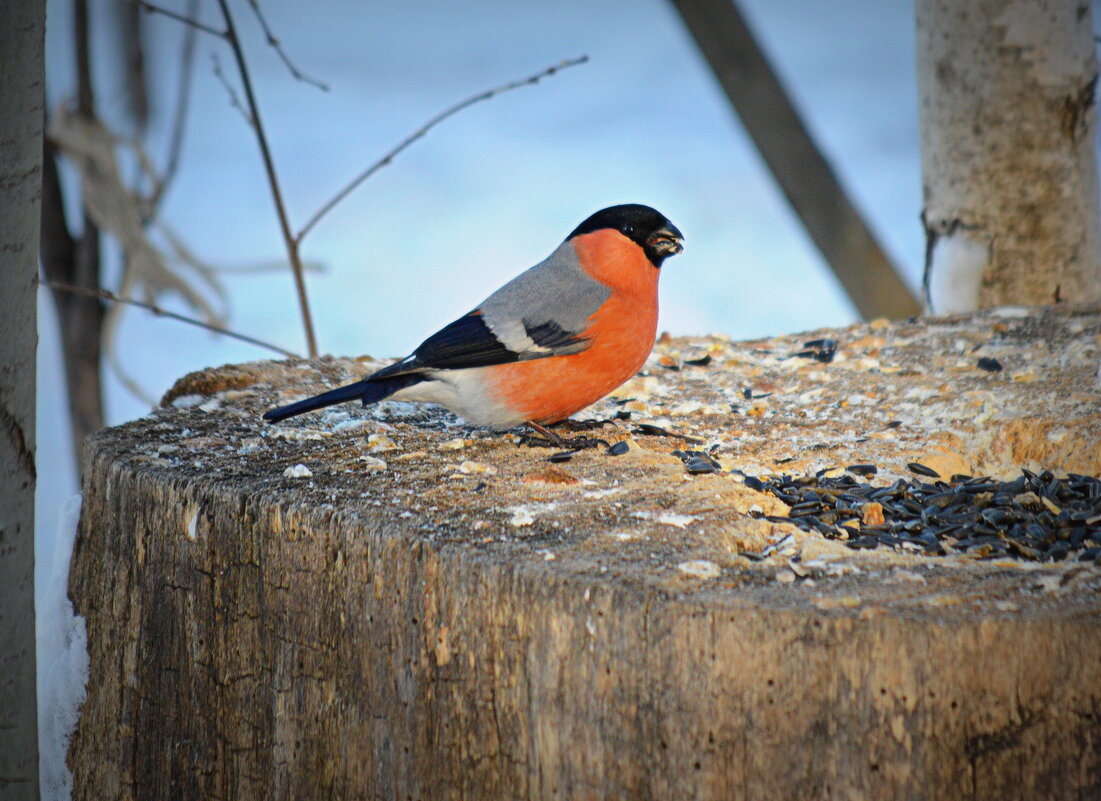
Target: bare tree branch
[
  {"x": 85, "y": 97},
  {"x": 424, "y": 129},
  {"x": 234, "y": 100},
  {"x": 80, "y": 320},
  {"x": 278, "y": 48},
  {"x": 131, "y": 59},
  {"x": 105, "y": 294},
  {"x": 273, "y": 181},
  {"x": 186, "y": 20}
]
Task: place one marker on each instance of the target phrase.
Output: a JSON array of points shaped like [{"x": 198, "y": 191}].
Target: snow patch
[
  {"x": 188, "y": 401},
  {"x": 62, "y": 645},
  {"x": 335, "y": 417}
]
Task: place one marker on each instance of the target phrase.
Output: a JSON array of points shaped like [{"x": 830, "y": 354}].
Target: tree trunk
[
  {"x": 76, "y": 261},
  {"x": 22, "y": 82},
  {"x": 1008, "y": 153},
  {"x": 274, "y": 612}
]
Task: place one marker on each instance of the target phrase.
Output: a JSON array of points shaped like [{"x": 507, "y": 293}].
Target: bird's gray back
[{"x": 547, "y": 307}]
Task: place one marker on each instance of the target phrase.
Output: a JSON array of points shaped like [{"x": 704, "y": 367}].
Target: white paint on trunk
[{"x": 955, "y": 272}]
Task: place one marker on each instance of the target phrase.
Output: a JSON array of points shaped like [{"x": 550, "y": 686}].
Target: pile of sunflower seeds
[{"x": 1036, "y": 516}]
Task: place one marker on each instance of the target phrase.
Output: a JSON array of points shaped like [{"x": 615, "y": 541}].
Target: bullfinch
[{"x": 551, "y": 341}]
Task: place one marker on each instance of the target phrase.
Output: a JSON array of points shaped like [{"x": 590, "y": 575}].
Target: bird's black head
[{"x": 641, "y": 224}]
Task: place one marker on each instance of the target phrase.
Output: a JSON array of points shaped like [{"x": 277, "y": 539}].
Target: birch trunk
[
  {"x": 21, "y": 97},
  {"x": 1008, "y": 153}
]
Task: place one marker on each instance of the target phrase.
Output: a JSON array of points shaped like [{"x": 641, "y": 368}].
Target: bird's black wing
[
  {"x": 549, "y": 334},
  {"x": 467, "y": 342}
]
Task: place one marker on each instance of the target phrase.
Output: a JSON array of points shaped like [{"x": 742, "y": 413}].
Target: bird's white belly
[{"x": 463, "y": 392}]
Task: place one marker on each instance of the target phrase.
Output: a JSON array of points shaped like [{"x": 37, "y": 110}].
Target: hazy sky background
[{"x": 495, "y": 189}]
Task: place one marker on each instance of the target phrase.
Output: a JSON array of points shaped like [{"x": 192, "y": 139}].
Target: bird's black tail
[{"x": 367, "y": 391}]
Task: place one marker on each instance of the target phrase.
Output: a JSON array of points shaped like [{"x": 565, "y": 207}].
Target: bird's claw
[
  {"x": 571, "y": 443},
  {"x": 584, "y": 442},
  {"x": 585, "y": 425},
  {"x": 533, "y": 441},
  {"x": 545, "y": 438}
]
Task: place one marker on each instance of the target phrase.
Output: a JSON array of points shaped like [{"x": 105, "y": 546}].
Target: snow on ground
[{"x": 62, "y": 660}]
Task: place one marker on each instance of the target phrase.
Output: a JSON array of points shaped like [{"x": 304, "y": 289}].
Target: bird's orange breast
[{"x": 621, "y": 335}]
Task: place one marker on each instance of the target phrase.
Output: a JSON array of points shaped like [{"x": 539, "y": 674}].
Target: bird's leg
[{"x": 553, "y": 440}]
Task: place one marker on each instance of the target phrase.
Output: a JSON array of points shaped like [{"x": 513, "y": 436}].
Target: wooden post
[
  {"x": 22, "y": 92},
  {"x": 403, "y": 608},
  {"x": 1009, "y": 164}
]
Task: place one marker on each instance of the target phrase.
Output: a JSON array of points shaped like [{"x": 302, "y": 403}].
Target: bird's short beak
[{"x": 666, "y": 241}]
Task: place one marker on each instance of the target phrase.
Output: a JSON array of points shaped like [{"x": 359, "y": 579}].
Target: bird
[{"x": 553, "y": 340}]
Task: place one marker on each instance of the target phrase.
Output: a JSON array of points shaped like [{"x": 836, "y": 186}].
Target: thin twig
[
  {"x": 234, "y": 100},
  {"x": 273, "y": 181},
  {"x": 186, "y": 20},
  {"x": 105, "y": 294},
  {"x": 179, "y": 117},
  {"x": 85, "y": 92},
  {"x": 424, "y": 129},
  {"x": 278, "y": 48}
]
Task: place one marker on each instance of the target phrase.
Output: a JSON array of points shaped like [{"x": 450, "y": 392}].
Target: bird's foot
[
  {"x": 550, "y": 439},
  {"x": 584, "y": 425}
]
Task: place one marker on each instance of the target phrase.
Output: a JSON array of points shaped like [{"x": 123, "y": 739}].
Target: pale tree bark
[
  {"x": 22, "y": 81},
  {"x": 1008, "y": 161}
]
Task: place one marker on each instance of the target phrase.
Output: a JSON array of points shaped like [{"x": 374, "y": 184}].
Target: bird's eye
[{"x": 628, "y": 230}]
